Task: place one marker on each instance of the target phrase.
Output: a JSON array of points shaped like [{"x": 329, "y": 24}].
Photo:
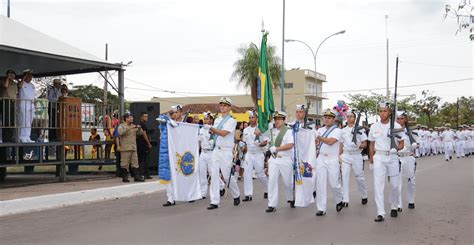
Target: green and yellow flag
[{"x": 265, "y": 103}]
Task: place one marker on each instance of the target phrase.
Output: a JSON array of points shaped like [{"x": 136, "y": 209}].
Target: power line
[
  {"x": 448, "y": 66},
  {"x": 405, "y": 86}
]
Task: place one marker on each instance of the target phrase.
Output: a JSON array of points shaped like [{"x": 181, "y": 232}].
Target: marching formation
[{"x": 335, "y": 152}]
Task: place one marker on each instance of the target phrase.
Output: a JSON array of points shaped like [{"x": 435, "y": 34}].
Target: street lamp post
[{"x": 314, "y": 54}]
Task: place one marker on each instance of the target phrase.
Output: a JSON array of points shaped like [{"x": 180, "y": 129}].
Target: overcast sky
[{"x": 190, "y": 46}]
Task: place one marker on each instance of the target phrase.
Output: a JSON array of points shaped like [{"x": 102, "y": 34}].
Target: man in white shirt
[
  {"x": 205, "y": 158},
  {"x": 448, "y": 138},
  {"x": 222, "y": 156},
  {"x": 254, "y": 158},
  {"x": 408, "y": 165},
  {"x": 384, "y": 160},
  {"x": 26, "y": 95},
  {"x": 281, "y": 162},
  {"x": 327, "y": 163},
  {"x": 352, "y": 157},
  {"x": 176, "y": 115},
  {"x": 460, "y": 142}
]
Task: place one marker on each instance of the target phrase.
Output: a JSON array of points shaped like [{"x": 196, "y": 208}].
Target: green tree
[
  {"x": 362, "y": 103},
  {"x": 246, "y": 68},
  {"x": 456, "y": 113},
  {"x": 427, "y": 107},
  {"x": 93, "y": 94}
]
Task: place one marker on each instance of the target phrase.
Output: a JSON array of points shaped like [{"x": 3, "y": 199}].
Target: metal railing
[{"x": 33, "y": 129}]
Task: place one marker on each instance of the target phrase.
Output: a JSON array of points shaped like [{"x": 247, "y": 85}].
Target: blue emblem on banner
[{"x": 185, "y": 163}]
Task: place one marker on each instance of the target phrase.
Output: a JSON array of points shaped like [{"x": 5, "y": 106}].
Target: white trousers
[
  {"x": 357, "y": 164},
  {"x": 254, "y": 160},
  {"x": 222, "y": 160},
  {"x": 27, "y": 112},
  {"x": 169, "y": 192},
  {"x": 460, "y": 148},
  {"x": 439, "y": 146},
  {"x": 327, "y": 169},
  {"x": 408, "y": 174},
  {"x": 205, "y": 160},
  {"x": 386, "y": 166},
  {"x": 279, "y": 167},
  {"x": 434, "y": 149},
  {"x": 448, "y": 150}
]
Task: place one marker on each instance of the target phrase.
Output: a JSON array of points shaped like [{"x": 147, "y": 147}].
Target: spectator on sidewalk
[
  {"x": 143, "y": 147},
  {"x": 54, "y": 92},
  {"x": 96, "y": 149}
]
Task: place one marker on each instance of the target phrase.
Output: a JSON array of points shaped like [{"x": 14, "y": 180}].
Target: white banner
[
  {"x": 306, "y": 151},
  {"x": 184, "y": 161}
]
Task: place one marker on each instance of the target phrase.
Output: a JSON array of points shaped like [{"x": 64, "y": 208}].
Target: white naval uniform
[
  {"x": 460, "y": 143},
  {"x": 254, "y": 159},
  {"x": 205, "y": 158},
  {"x": 408, "y": 168},
  {"x": 471, "y": 141},
  {"x": 26, "y": 96},
  {"x": 352, "y": 157},
  {"x": 433, "y": 142},
  {"x": 327, "y": 169},
  {"x": 424, "y": 145},
  {"x": 448, "y": 138},
  {"x": 280, "y": 165},
  {"x": 416, "y": 135},
  {"x": 386, "y": 163},
  {"x": 222, "y": 157}
]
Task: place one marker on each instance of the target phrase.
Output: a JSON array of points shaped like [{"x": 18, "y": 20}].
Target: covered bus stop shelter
[{"x": 22, "y": 47}]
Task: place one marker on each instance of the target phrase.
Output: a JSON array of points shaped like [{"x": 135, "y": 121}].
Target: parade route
[{"x": 443, "y": 215}]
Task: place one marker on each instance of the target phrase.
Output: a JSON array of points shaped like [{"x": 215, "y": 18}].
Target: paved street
[{"x": 443, "y": 215}]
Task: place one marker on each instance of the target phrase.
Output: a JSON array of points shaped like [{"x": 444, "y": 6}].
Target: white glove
[
  {"x": 414, "y": 145},
  {"x": 173, "y": 123},
  {"x": 241, "y": 144},
  {"x": 206, "y": 126},
  {"x": 211, "y": 142},
  {"x": 371, "y": 166},
  {"x": 257, "y": 142},
  {"x": 273, "y": 149},
  {"x": 393, "y": 151}
]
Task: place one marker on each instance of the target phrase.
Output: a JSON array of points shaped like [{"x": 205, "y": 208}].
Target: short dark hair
[{"x": 143, "y": 113}]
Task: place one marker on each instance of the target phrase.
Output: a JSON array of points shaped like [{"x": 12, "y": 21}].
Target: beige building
[{"x": 301, "y": 87}]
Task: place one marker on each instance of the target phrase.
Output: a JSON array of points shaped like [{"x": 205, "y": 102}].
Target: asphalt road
[{"x": 443, "y": 215}]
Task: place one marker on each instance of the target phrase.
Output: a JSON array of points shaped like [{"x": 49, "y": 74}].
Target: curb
[{"x": 31, "y": 204}]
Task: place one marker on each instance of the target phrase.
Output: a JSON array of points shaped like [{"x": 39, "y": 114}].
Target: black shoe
[
  {"x": 320, "y": 213},
  {"x": 265, "y": 195},
  {"x": 270, "y": 209},
  {"x": 399, "y": 209},
  {"x": 345, "y": 204},
  {"x": 236, "y": 201},
  {"x": 314, "y": 194},
  {"x": 168, "y": 203},
  {"x": 339, "y": 206},
  {"x": 222, "y": 192},
  {"x": 292, "y": 204},
  {"x": 364, "y": 201},
  {"x": 450, "y": 158},
  {"x": 125, "y": 175},
  {"x": 203, "y": 198},
  {"x": 191, "y": 201},
  {"x": 379, "y": 218},
  {"x": 447, "y": 160},
  {"x": 136, "y": 175},
  {"x": 411, "y": 205},
  {"x": 148, "y": 177},
  {"x": 247, "y": 199},
  {"x": 212, "y": 206},
  {"x": 393, "y": 213}
]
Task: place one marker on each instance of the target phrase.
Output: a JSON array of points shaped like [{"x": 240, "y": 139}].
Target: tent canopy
[{"x": 22, "y": 47}]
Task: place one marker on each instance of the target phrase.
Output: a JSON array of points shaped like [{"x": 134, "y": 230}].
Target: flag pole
[{"x": 283, "y": 62}]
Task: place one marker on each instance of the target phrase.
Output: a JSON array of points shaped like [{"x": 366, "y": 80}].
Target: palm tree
[{"x": 246, "y": 68}]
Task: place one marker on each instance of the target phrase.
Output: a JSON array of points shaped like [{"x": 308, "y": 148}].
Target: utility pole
[
  {"x": 105, "y": 81},
  {"x": 8, "y": 8},
  {"x": 457, "y": 112}
]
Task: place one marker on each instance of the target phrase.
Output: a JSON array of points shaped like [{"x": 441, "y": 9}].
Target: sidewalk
[{"x": 20, "y": 196}]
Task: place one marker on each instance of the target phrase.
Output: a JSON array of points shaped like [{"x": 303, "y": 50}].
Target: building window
[{"x": 288, "y": 85}]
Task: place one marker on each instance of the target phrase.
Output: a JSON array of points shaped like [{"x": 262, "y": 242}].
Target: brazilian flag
[{"x": 266, "y": 107}]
